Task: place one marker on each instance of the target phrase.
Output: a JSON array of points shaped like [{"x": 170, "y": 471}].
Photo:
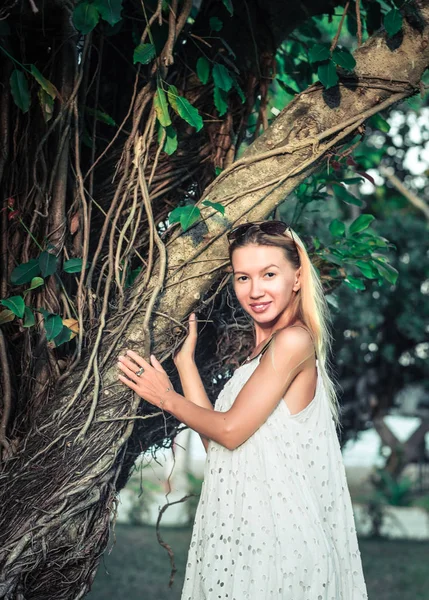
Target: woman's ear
[{"x": 297, "y": 284}]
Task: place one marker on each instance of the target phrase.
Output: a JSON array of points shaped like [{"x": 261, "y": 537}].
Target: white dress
[{"x": 275, "y": 519}]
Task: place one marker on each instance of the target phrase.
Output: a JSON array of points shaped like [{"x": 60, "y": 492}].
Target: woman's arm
[
  {"x": 258, "y": 397},
  {"x": 193, "y": 388}
]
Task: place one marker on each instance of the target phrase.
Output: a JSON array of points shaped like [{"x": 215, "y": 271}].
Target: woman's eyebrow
[{"x": 264, "y": 269}]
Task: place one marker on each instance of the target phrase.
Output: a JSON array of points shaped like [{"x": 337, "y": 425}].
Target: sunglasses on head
[{"x": 270, "y": 227}]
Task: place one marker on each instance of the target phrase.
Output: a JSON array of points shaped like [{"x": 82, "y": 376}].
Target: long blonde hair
[{"x": 309, "y": 304}]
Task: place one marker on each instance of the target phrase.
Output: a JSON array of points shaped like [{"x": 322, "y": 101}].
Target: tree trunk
[{"x": 59, "y": 489}]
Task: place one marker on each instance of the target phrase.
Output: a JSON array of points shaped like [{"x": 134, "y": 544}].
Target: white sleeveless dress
[{"x": 275, "y": 519}]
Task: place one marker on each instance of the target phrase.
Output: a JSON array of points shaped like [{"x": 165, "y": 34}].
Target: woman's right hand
[{"x": 187, "y": 350}]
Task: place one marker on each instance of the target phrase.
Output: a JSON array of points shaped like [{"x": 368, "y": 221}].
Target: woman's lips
[{"x": 259, "y": 308}]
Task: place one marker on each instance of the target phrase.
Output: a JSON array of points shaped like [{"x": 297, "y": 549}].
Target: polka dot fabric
[{"x": 275, "y": 519}]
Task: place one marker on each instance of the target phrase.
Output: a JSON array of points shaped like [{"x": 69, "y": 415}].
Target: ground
[{"x": 139, "y": 569}]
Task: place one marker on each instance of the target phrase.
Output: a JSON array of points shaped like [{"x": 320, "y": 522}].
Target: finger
[
  {"x": 130, "y": 373},
  {"x": 131, "y": 364},
  {"x": 157, "y": 365},
  {"x": 128, "y": 383},
  {"x": 139, "y": 359}
]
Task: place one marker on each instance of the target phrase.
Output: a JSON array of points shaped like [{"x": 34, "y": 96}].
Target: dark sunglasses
[{"x": 270, "y": 227}]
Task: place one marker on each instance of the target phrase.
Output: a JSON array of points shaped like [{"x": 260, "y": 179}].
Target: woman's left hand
[{"x": 153, "y": 385}]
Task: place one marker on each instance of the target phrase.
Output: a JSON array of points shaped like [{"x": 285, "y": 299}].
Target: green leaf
[
  {"x": 187, "y": 215},
  {"x": 228, "y": 6},
  {"x": 215, "y": 24},
  {"x": 377, "y": 122},
  {"x": 318, "y": 52},
  {"x": 387, "y": 271},
  {"x": 354, "y": 283},
  {"x": 48, "y": 263},
  {"x": 64, "y": 336},
  {"x": 367, "y": 269},
  {"x": 100, "y": 116},
  {"x": 25, "y": 272},
  {"x": 19, "y": 89},
  {"x": 144, "y": 54},
  {"x": 216, "y": 205},
  {"x": 361, "y": 223},
  {"x": 170, "y": 144},
  {"x": 161, "y": 107},
  {"x": 392, "y": 22},
  {"x": 85, "y": 17},
  {"x": 73, "y": 265},
  {"x": 344, "y": 58},
  {"x": 221, "y": 77},
  {"x": 203, "y": 69},
  {"x": 6, "y": 316},
  {"x": 35, "y": 283},
  {"x": 337, "y": 228},
  {"x": 110, "y": 10},
  {"x": 220, "y": 99},
  {"x": 29, "y": 319},
  {"x": 342, "y": 194},
  {"x": 53, "y": 326},
  {"x": 46, "y": 104},
  {"x": 189, "y": 113},
  {"x": 15, "y": 304},
  {"x": 172, "y": 95},
  {"x": 327, "y": 74},
  {"x": 44, "y": 83}
]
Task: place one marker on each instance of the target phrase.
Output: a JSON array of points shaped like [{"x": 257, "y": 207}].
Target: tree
[{"x": 167, "y": 125}]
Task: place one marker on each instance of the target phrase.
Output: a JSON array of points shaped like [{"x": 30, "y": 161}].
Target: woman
[{"x": 275, "y": 519}]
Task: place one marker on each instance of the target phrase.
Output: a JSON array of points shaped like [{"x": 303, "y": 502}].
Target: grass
[{"x": 138, "y": 568}]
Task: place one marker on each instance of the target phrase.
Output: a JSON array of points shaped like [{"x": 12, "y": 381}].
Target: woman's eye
[{"x": 245, "y": 276}]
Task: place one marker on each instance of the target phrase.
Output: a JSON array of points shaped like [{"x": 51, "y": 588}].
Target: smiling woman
[{"x": 274, "y": 518}]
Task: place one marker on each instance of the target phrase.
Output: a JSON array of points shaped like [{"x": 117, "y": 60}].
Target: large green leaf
[
  {"x": 170, "y": 143},
  {"x": 6, "y": 315},
  {"x": 367, "y": 269},
  {"x": 318, "y": 52},
  {"x": 46, "y": 104},
  {"x": 387, "y": 271},
  {"x": 44, "y": 83},
  {"x": 343, "y": 194},
  {"x": 48, "y": 263},
  {"x": 337, "y": 228},
  {"x": 85, "y": 17},
  {"x": 228, "y": 6},
  {"x": 53, "y": 326},
  {"x": 354, "y": 283},
  {"x": 215, "y": 23},
  {"x": 393, "y": 21},
  {"x": 378, "y": 122},
  {"x": 172, "y": 95},
  {"x": 187, "y": 215},
  {"x": 15, "y": 304},
  {"x": 29, "y": 319},
  {"x": 161, "y": 107},
  {"x": 344, "y": 58},
  {"x": 144, "y": 54},
  {"x": 64, "y": 336},
  {"x": 189, "y": 113},
  {"x": 220, "y": 99},
  {"x": 361, "y": 223},
  {"x": 203, "y": 69},
  {"x": 327, "y": 74},
  {"x": 19, "y": 89},
  {"x": 110, "y": 10},
  {"x": 73, "y": 265},
  {"x": 35, "y": 283},
  {"x": 24, "y": 273},
  {"x": 221, "y": 77},
  {"x": 216, "y": 205}
]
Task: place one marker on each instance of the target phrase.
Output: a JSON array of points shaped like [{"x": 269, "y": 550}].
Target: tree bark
[{"x": 51, "y": 541}]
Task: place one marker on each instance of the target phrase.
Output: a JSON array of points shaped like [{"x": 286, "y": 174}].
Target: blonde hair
[{"x": 309, "y": 304}]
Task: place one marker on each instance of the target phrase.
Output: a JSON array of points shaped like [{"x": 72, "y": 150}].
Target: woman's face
[{"x": 264, "y": 281}]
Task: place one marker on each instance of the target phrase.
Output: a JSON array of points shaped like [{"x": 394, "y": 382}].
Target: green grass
[{"x": 138, "y": 568}]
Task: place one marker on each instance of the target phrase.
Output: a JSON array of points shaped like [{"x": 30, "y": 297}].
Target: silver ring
[{"x": 140, "y": 372}]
